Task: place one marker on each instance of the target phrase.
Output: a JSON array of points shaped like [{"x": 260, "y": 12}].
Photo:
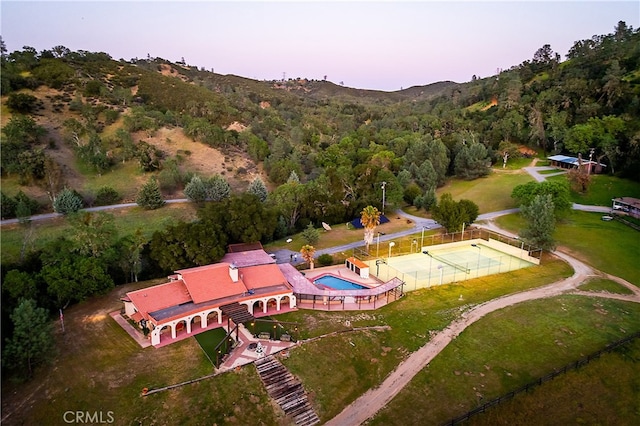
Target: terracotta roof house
[{"x": 194, "y": 299}]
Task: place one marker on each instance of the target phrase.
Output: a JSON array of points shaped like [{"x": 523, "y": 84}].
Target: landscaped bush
[
  {"x": 325, "y": 259},
  {"x": 67, "y": 201},
  {"x": 106, "y": 196}
]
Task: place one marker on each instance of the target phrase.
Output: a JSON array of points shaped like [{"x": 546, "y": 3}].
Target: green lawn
[
  {"x": 120, "y": 179},
  {"x": 513, "y": 164},
  {"x": 603, "y": 188},
  {"x": 602, "y": 392},
  {"x": 609, "y": 246},
  {"x": 604, "y": 285},
  {"x": 209, "y": 339},
  {"x": 340, "y": 234},
  {"x": 514, "y": 346},
  {"x": 491, "y": 193}
]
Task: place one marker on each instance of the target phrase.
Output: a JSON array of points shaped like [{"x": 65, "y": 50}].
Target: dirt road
[{"x": 373, "y": 400}]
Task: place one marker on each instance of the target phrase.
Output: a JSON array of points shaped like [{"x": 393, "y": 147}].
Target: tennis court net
[{"x": 448, "y": 262}]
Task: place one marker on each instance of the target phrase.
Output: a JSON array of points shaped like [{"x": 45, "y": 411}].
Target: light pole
[
  {"x": 479, "y": 251},
  {"x": 384, "y": 185},
  {"x": 422, "y": 236},
  {"x": 391, "y": 244}
]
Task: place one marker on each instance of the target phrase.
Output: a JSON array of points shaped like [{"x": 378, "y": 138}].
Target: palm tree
[
  {"x": 370, "y": 218},
  {"x": 307, "y": 252}
]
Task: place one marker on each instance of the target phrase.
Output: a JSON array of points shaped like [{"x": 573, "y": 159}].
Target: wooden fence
[{"x": 569, "y": 367}]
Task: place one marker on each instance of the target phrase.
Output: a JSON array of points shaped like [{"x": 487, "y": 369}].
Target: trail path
[{"x": 375, "y": 399}]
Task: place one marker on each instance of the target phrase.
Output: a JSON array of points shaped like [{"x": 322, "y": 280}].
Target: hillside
[{"x": 100, "y": 123}]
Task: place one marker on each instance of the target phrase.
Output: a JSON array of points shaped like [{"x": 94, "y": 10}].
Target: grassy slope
[
  {"x": 609, "y": 246},
  {"x": 603, "y": 189},
  {"x": 495, "y": 356},
  {"x": 491, "y": 193}
]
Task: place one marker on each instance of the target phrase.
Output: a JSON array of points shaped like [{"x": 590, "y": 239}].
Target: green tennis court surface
[{"x": 446, "y": 263}]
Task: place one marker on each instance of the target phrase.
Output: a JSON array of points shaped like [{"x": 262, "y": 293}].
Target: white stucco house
[{"x": 194, "y": 300}]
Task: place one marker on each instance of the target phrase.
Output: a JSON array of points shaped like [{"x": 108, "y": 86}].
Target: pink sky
[{"x": 380, "y": 45}]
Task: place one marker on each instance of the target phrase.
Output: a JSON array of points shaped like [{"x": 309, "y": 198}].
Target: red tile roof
[
  {"x": 211, "y": 282},
  {"x": 262, "y": 276},
  {"x": 159, "y": 297},
  {"x": 357, "y": 262}
]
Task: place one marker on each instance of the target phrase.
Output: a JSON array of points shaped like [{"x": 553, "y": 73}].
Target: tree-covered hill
[{"x": 340, "y": 142}]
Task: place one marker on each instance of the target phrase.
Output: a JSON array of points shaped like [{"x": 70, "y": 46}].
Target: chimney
[{"x": 233, "y": 272}]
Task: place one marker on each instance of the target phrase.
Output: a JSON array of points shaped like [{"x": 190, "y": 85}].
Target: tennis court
[{"x": 452, "y": 262}]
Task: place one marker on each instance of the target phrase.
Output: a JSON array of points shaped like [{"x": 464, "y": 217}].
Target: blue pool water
[{"x": 338, "y": 283}]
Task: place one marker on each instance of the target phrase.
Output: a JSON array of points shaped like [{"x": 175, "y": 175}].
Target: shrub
[
  {"x": 67, "y": 201},
  {"x": 325, "y": 259},
  {"x": 196, "y": 190},
  {"x": 150, "y": 197},
  {"x": 7, "y": 205},
  {"x": 22, "y": 103},
  {"x": 111, "y": 115},
  {"x": 311, "y": 235},
  {"x": 106, "y": 196}
]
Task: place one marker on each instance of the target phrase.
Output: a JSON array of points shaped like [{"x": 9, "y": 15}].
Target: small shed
[{"x": 357, "y": 266}]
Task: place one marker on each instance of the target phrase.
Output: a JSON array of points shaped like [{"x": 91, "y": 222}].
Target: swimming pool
[{"x": 336, "y": 283}]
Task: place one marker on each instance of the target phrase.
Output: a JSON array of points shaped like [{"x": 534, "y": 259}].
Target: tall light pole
[
  {"x": 384, "y": 185},
  {"x": 422, "y": 237},
  {"x": 391, "y": 244},
  {"x": 479, "y": 251}
]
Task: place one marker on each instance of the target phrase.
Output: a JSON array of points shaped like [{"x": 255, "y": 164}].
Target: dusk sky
[{"x": 364, "y": 44}]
